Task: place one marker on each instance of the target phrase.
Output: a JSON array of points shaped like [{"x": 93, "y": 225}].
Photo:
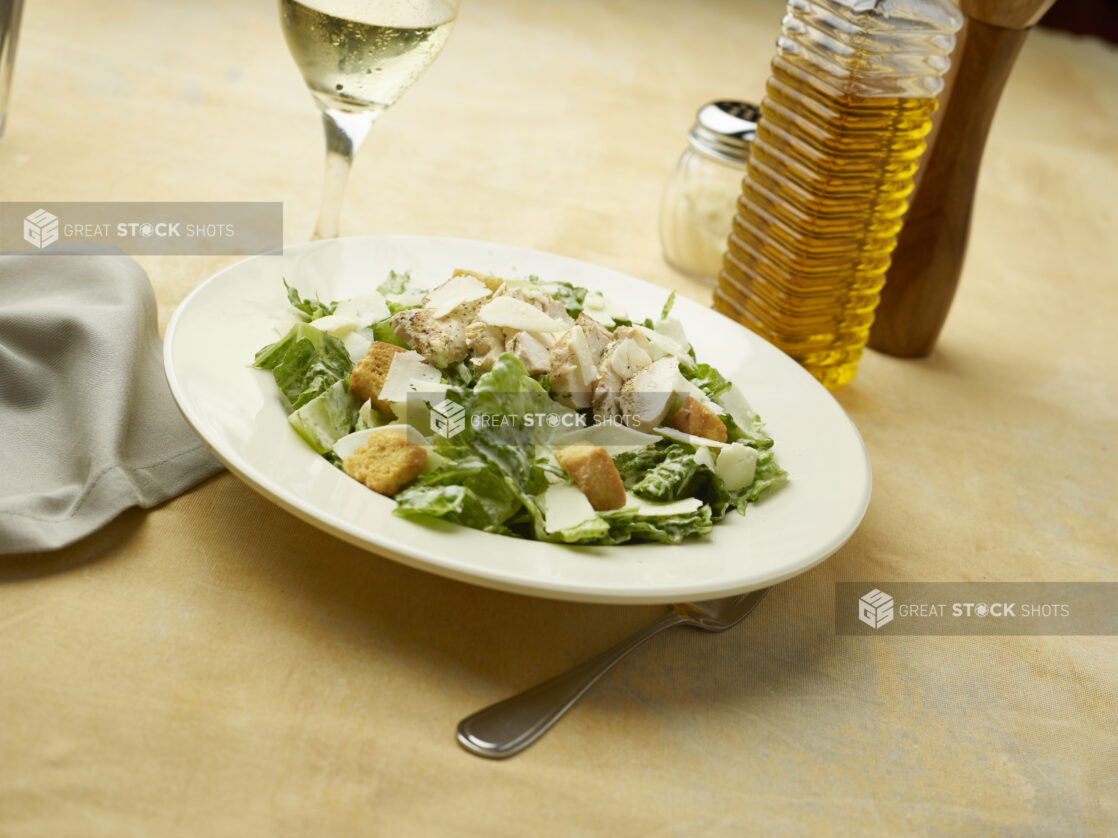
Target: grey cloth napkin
[{"x": 88, "y": 427}]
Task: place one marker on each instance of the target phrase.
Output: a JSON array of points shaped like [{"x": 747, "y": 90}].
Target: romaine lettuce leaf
[
  {"x": 668, "y": 472},
  {"x": 490, "y": 477},
  {"x": 461, "y": 374},
  {"x": 305, "y": 362},
  {"x": 677, "y": 475},
  {"x": 594, "y": 530},
  {"x": 310, "y": 309},
  {"x": 514, "y": 413},
  {"x": 707, "y": 379},
  {"x": 767, "y": 476},
  {"x": 326, "y": 418},
  {"x": 466, "y": 489},
  {"x": 398, "y": 283},
  {"x": 754, "y": 436},
  {"x": 667, "y": 309},
  {"x": 667, "y": 529},
  {"x": 634, "y": 464},
  {"x": 457, "y": 504},
  {"x": 624, "y": 525},
  {"x": 571, "y": 296},
  {"x": 382, "y": 331}
]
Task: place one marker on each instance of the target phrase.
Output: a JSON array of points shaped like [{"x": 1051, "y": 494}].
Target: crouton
[
  {"x": 593, "y": 471},
  {"x": 697, "y": 419},
  {"x": 386, "y": 463},
  {"x": 369, "y": 373},
  {"x": 490, "y": 282}
]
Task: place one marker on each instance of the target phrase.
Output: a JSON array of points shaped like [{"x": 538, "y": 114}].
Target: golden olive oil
[{"x": 821, "y": 205}]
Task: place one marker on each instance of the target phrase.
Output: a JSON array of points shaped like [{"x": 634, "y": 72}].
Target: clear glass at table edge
[
  {"x": 10, "y": 13},
  {"x": 357, "y": 58}
]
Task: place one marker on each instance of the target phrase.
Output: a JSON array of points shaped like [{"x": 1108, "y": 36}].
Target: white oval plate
[{"x": 214, "y": 334}]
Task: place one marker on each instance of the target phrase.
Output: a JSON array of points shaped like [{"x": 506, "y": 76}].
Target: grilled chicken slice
[
  {"x": 647, "y": 397},
  {"x": 596, "y": 335},
  {"x": 574, "y": 362},
  {"x": 487, "y": 343},
  {"x": 622, "y": 359},
  {"x": 531, "y": 350},
  {"x": 441, "y": 340}
]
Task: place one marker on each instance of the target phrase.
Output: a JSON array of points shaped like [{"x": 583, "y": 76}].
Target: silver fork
[{"x": 508, "y": 727}]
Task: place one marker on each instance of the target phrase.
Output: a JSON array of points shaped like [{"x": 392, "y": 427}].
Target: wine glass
[{"x": 357, "y": 58}]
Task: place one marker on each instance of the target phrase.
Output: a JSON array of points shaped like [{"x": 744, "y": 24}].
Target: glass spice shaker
[{"x": 698, "y": 205}]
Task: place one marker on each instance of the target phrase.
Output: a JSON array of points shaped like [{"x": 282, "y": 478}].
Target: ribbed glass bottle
[{"x": 842, "y": 128}]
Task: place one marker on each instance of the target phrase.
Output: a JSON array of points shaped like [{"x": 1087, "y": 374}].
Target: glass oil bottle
[{"x": 846, "y": 110}]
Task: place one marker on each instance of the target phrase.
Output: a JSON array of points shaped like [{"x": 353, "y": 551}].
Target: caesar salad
[{"x": 525, "y": 407}]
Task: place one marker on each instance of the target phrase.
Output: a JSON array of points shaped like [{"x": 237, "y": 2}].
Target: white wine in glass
[{"x": 357, "y": 58}]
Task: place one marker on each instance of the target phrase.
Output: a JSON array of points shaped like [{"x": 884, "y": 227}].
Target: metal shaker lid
[{"x": 725, "y": 129}]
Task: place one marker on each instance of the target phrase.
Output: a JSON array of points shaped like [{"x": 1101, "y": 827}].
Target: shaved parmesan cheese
[
  {"x": 599, "y": 315},
  {"x": 522, "y": 283},
  {"x": 565, "y": 507},
  {"x": 511, "y": 313},
  {"x": 366, "y": 309},
  {"x": 662, "y": 346},
  {"x": 672, "y": 328},
  {"x": 356, "y": 345},
  {"x": 737, "y": 465},
  {"x": 604, "y": 311},
  {"x": 587, "y": 369},
  {"x": 336, "y": 325},
  {"x": 453, "y": 293},
  {"x": 680, "y": 436},
  {"x": 366, "y": 413},
  {"x": 426, "y": 387},
  {"x": 608, "y": 435},
  {"x": 704, "y": 458},
  {"x": 650, "y": 509},
  {"x": 351, "y": 315},
  {"x": 627, "y": 359},
  {"x": 548, "y": 339},
  {"x": 555, "y": 474},
  {"x": 410, "y": 300},
  {"x": 733, "y": 402},
  {"x": 408, "y": 373},
  {"x": 369, "y": 416}
]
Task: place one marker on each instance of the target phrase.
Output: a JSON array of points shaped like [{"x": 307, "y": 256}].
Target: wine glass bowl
[{"x": 357, "y": 58}]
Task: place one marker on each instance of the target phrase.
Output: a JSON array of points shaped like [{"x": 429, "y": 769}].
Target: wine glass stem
[{"x": 345, "y": 131}]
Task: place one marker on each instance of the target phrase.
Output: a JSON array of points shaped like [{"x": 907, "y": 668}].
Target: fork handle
[{"x": 508, "y": 727}]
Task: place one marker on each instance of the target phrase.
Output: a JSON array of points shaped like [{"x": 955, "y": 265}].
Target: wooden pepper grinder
[{"x": 933, "y": 242}]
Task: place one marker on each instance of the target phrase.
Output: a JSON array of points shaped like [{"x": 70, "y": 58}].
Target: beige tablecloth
[{"x": 216, "y": 667}]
